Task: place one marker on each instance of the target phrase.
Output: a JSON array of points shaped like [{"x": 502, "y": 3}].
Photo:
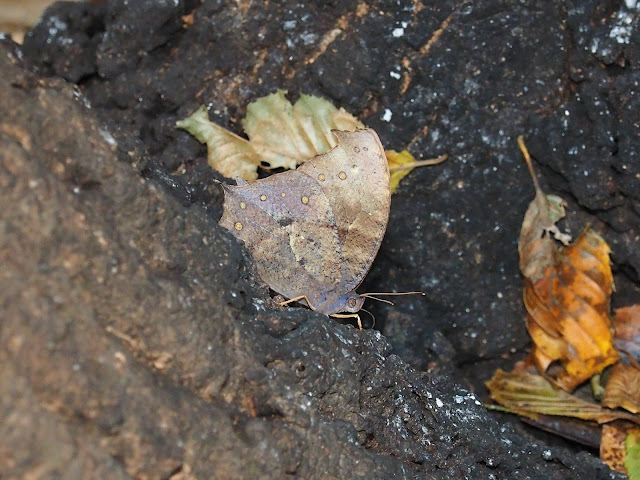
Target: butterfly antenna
[
  {"x": 370, "y": 295},
  {"x": 373, "y": 319},
  {"x": 375, "y": 295}
]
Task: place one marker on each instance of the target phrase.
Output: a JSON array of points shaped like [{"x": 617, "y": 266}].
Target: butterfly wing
[
  {"x": 315, "y": 231},
  {"x": 286, "y": 222},
  {"x": 355, "y": 177}
]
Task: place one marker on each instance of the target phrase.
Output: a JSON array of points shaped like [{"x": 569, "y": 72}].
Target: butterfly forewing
[{"x": 355, "y": 176}]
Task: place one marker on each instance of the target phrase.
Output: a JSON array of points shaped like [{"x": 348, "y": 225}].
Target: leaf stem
[
  {"x": 527, "y": 158},
  {"x": 420, "y": 163}
]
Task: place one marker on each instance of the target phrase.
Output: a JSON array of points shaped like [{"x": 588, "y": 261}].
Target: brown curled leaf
[
  {"x": 620, "y": 448},
  {"x": 567, "y": 293},
  {"x": 612, "y": 448},
  {"x": 623, "y": 388},
  {"x": 627, "y": 331}
]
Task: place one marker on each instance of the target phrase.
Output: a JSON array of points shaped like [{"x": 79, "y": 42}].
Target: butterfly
[{"x": 315, "y": 231}]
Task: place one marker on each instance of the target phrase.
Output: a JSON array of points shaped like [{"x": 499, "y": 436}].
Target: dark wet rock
[{"x": 135, "y": 334}]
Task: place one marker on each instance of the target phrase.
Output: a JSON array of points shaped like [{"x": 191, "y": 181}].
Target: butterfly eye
[{"x": 352, "y": 302}]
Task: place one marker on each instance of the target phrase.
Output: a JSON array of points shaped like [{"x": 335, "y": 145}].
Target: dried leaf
[
  {"x": 612, "y": 447},
  {"x": 282, "y": 135},
  {"x": 229, "y": 154},
  {"x": 536, "y": 247},
  {"x": 627, "y": 331},
  {"x": 623, "y": 388},
  {"x": 632, "y": 460},
  {"x": 286, "y": 135},
  {"x": 568, "y": 311},
  {"x": 530, "y": 395},
  {"x": 620, "y": 448},
  {"x": 567, "y": 290},
  {"x": 398, "y": 159},
  {"x": 401, "y": 163}
]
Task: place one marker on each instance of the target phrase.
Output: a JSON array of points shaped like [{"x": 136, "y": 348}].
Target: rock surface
[{"x": 135, "y": 336}]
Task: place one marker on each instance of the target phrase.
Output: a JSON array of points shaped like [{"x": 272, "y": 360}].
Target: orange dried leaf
[
  {"x": 627, "y": 331},
  {"x": 623, "y": 388},
  {"x": 567, "y": 290},
  {"x": 530, "y": 395},
  {"x": 612, "y": 447},
  {"x": 568, "y": 311}
]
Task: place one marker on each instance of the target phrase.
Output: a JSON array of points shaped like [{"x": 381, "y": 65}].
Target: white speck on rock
[
  {"x": 623, "y": 28},
  {"x": 55, "y": 27},
  {"x": 621, "y": 33},
  {"x": 387, "y": 115},
  {"x": 308, "y": 38},
  {"x": 107, "y": 137}
]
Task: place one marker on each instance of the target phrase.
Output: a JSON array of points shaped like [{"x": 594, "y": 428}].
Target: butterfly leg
[
  {"x": 335, "y": 315},
  {"x": 297, "y": 299},
  {"x": 348, "y": 315}
]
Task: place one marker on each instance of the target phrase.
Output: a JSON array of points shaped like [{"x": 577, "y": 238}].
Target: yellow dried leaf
[
  {"x": 397, "y": 159},
  {"x": 401, "y": 163},
  {"x": 530, "y": 395},
  {"x": 567, "y": 290},
  {"x": 623, "y": 388},
  {"x": 229, "y": 154},
  {"x": 281, "y": 135},
  {"x": 285, "y": 135}
]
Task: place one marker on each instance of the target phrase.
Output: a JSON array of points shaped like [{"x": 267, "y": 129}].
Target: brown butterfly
[{"x": 315, "y": 231}]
